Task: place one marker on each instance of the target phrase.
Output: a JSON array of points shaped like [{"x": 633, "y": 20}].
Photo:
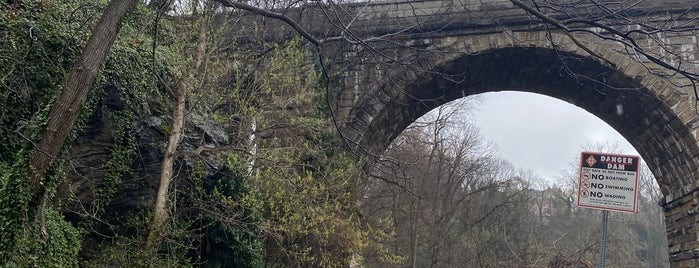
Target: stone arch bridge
[{"x": 416, "y": 55}]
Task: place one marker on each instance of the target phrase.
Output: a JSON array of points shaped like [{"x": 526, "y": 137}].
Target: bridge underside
[{"x": 650, "y": 120}]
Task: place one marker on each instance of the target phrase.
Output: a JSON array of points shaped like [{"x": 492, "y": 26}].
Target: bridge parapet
[{"x": 436, "y": 15}]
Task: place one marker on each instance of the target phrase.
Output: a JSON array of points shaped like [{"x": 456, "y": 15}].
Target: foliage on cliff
[
  {"x": 40, "y": 40},
  {"x": 260, "y": 176}
]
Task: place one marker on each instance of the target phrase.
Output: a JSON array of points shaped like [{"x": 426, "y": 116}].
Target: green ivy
[
  {"x": 237, "y": 243},
  {"x": 40, "y": 41},
  {"x": 59, "y": 246}
]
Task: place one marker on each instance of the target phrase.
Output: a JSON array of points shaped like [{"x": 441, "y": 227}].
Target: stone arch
[{"x": 657, "y": 119}]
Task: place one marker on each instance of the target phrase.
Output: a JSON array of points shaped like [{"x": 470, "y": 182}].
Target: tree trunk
[
  {"x": 67, "y": 107},
  {"x": 160, "y": 214},
  {"x": 414, "y": 233}
]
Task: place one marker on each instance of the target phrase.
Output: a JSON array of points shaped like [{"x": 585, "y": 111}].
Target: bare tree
[
  {"x": 436, "y": 185},
  {"x": 178, "y": 125}
]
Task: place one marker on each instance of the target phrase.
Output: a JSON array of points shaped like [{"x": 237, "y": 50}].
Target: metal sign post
[{"x": 603, "y": 239}]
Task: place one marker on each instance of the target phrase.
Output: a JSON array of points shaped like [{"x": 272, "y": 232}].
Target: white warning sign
[{"x": 608, "y": 181}]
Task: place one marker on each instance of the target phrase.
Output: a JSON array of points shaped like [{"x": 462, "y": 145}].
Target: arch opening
[
  {"x": 440, "y": 165},
  {"x": 542, "y": 134}
]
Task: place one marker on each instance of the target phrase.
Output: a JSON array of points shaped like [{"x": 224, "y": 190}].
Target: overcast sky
[{"x": 541, "y": 133}]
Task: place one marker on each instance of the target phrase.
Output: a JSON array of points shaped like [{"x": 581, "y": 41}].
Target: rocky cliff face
[
  {"x": 114, "y": 164},
  {"x": 85, "y": 174}
]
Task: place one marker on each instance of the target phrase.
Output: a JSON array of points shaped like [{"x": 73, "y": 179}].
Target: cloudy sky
[{"x": 541, "y": 133}]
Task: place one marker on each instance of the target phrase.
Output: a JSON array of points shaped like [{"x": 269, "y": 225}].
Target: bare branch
[{"x": 266, "y": 13}]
